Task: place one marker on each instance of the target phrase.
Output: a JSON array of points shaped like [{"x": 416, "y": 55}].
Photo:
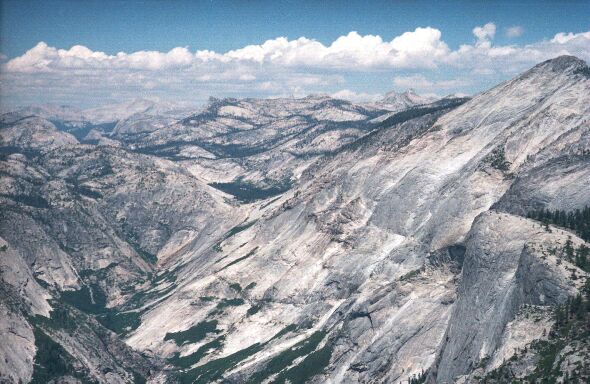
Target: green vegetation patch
[
  {"x": 59, "y": 318},
  {"x": 138, "y": 379},
  {"x": 239, "y": 259},
  {"x": 195, "y": 357},
  {"x": 248, "y": 192},
  {"x": 224, "y": 303},
  {"x": 214, "y": 370},
  {"x": 139, "y": 298},
  {"x": 193, "y": 334},
  {"x": 284, "y": 331},
  {"x": 34, "y": 201},
  {"x": 230, "y": 303},
  {"x": 238, "y": 228},
  {"x": 120, "y": 322},
  {"x": 410, "y": 275},
  {"x": 169, "y": 277},
  {"x": 548, "y": 352},
  {"x": 51, "y": 360},
  {"x": 145, "y": 255},
  {"x": 254, "y": 309},
  {"x": 312, "y": 365},
  {"x": 287, "y": 357},
  {"x": 89, "y": 299}
]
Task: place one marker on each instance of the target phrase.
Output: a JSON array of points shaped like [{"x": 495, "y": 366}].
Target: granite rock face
[
  {"x": 504, "y": 269},
  {"x": 273, "y": 240}
]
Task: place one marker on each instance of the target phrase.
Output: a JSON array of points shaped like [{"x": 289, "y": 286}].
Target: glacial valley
[{"x": 296, "y": 240}]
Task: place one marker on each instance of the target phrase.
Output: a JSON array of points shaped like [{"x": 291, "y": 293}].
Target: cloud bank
[
  {"x": 353, "y": 51},
  {"x": 420, "y": 59}
]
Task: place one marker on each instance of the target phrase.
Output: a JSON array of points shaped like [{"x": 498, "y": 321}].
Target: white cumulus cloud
[
  {"x": 419, "y": 48},
  {"x": 486, "y": 32},
  {"x": 418, "y": 59},
  {"x": 564, "y": 38}
]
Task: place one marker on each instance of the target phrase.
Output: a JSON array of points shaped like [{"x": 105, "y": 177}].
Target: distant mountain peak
[
  {"x": 563, "y": 64},
  {"x": 401, "y": 100}
]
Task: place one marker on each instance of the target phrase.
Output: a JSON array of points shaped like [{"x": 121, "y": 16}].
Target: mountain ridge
[{"x": 394, "y": 232}]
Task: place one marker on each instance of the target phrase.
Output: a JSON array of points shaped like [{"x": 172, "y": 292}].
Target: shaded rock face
[
  {"x": 309, "y": 239},
  {"x": 503, "y": 270},
  {"x": 18, "y": 347},
  {"x": 556, "y": 184}
]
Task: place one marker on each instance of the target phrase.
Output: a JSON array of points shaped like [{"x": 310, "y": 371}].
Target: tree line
[{"x": 577, "y": 220}]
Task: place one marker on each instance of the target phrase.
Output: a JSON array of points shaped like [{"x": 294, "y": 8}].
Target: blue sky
[{"x": 106, "y": 28}]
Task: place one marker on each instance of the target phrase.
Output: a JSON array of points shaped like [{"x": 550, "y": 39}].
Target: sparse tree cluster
[
  {"x": 498, "y": 159},
  {"x": 577, "y": 307},
  {"x": 578, "y": 256},
  {"x": 578, "y": 220},
  {"x": 571, "y": 329},
  {"x": 417, "y": 379}
]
